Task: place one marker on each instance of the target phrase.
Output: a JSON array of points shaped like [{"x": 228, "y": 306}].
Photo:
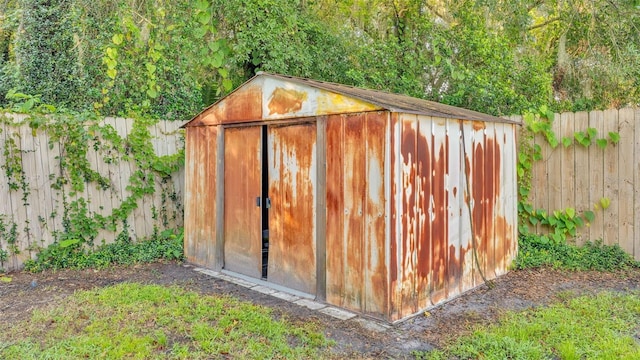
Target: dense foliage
[
  {"x": 72, "y": 254},
  {"x": 169, "y": 59},
  {"x": 537, "y": 251}
]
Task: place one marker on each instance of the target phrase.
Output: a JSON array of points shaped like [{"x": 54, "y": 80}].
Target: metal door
[
  {"x": 242, "y": 211},
  {"x": 292, "y": 218}
]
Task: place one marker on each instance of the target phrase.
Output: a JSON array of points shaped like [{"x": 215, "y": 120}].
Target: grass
[
  {"x": 604, "y": 326},
  {"x": 136, "y": 321}
]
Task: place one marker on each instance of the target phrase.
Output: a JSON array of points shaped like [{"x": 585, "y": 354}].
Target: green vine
[
  {"x": 74, "y": 135},
  {"x": 17, "y": 180},
  {"x": 563, "y": 223},
  {"x": 9, "y": 237}
]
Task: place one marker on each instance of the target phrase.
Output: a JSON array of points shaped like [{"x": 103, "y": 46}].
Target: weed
[
  {"x": 537, "y": 251},
  {"x": 68, "y": 254}
]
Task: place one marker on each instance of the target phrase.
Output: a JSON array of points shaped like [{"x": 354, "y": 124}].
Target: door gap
[{"x": 265, "y": 202}]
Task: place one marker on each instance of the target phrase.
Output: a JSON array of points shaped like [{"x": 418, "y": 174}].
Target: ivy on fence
[
  {"x": 562, "y": 223},
  {"x": 72, "y": 136}
]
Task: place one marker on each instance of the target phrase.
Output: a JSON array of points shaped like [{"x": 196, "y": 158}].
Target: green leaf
[
  {"x": 543, "y": 109},
  {"x": 117, "y": 39},
  {"x": 199, "y": 32},
  {"x": 112, "y": 53},
  {"x": 152, "y": 93},
  {"x": 528, "y": 208},
  {"x": 111, "y": 73},
  {"x": 214, "y": 46},
  {"x": 589, "y": 215},
  {"x": 605, "y": 202},
  {"x": 227, "y": 84},
  {"x": 571, "y": 212},
  {"x": 615, "y": 137},
  {"x": 592, "y": 133},
  {"x": 550, "y": 115},
  {"x": 602, "y": 143},
  {"x": 557, "y": 238},
  {"x": 68, "y": 242},
  {"x": 202, "y": 5},
  {"x": 150, "y": 68},
  {"x": 566, "y": 141},
  {"x": 5, "y": 279},
  {"x": 533, "y": 220},
  {"x": 216, "y": 60},
  {"x": 203, "y": 17}
]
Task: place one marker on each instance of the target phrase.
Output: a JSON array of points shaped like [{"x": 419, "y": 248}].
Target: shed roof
[{"x": 351, "y": 99}]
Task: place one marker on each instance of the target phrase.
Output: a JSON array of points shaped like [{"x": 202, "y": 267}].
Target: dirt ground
[{"x": 517, "y": 290}]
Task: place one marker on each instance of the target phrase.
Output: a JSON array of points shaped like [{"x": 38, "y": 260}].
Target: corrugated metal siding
[
  {"x": 200, "y": 192},
  {"x": 292, "y": 217},
  {"x": 242, "y": 216},
  {"x": 431, "y": 247},
  {"x": 357, "y": 276}
]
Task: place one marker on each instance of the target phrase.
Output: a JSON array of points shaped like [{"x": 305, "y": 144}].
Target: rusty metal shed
[{"x": 370, "y": 201}]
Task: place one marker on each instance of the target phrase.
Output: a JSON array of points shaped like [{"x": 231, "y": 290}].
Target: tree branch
[{"x": 545, "y": 23}]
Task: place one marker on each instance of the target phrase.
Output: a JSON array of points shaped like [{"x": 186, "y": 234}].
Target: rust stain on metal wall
[
  {"x": 408, "y": 300},
  {"x": 292, "y": 218},
  {"x": 242, "y": 184},
  {"x": 243, "y": 105},
  {"x": 375, "y": 280},
  {"x": 424, "y": 184},
  {"x": 426, "y": 176},
  {"x": 394, "y": 143},
  {"x": 200, "y": 190},
  {"x": 354, "y": 185},
  {"x": 440, "y": 238},
  {"x": 283, "y": 101},
  {"x": 356, "y": 255},
  {"x": 335, "y": 210}
]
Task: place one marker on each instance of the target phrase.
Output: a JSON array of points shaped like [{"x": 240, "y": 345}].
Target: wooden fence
[
  {"x": 575, "y": 176},
  {"x": 579, "y": 176},
  {"x": 30, "y": 217}
]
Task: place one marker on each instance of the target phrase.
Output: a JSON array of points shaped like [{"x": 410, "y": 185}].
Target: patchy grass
[
  {"x": 604, "y": 326},
  {"x": 136, "y": 321}
]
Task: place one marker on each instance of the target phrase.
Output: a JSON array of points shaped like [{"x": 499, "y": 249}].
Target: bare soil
[{"x": 517, "y": 290}]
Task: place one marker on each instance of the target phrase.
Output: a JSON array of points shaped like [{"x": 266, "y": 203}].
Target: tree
[{"x": 45, "y": 55}]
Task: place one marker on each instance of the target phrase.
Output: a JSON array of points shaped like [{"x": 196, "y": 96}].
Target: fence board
[
  {"x": 555, "y": 169},
  {"x": 568, "y": 162},
  {"x": 582, "y": 166},
  {"x": 539, "y": 178},
  {"x": 611, "y": 189},
  {"x": 596, "y": 178},
  {"x": 625, "y": 179},
  {"x": 44, "y": 212}
]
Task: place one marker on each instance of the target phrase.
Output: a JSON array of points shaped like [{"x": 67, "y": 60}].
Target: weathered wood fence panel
[
  {"x": 31, "y": 211},
  {"x": 579, "y": 176}
]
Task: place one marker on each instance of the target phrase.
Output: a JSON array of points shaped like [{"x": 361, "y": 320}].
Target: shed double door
[{"x": 276, "y": 192}]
